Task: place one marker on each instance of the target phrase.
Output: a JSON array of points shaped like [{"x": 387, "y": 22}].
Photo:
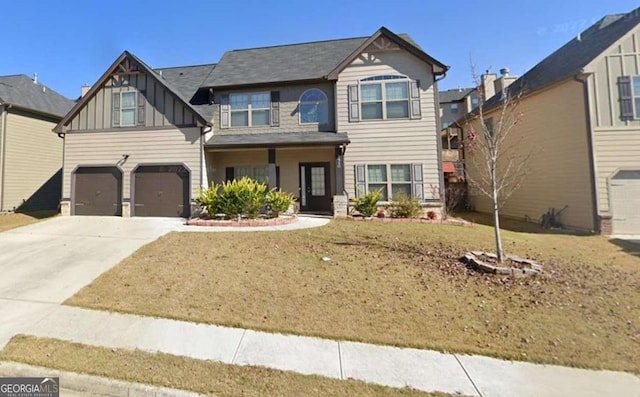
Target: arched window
[{"x": 313, "y": 107}]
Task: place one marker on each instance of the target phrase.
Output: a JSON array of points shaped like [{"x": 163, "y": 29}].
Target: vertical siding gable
[{"x": 162, "y": 108}]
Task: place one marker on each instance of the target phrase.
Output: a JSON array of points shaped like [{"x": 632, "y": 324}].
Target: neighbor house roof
[
  {"x": 277, "y": 139},
  {"x": 21, "y": 91},
  {"x": 454, "y": 95},
  {"x": 571, "y": 59},
  {"x": 295, "y": 62}
]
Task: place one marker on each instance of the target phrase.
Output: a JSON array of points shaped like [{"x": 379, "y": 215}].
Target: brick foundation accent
[
  {"x": 284, "y": 220},
  {"x": 605, "y": 225},
  {"x": 340, "y": 206}
]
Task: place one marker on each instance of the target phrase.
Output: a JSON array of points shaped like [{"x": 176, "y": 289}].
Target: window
[
  {"x": 474, "y": 102},
  {"x": 313, "y": 107},
  {"x": 454, "y": 108},
  {"x": 636, "y": 96},
  {"x": 258, "y": 173},
  {"x": 249, "y": 110},
  {"x": 384, "y": 99},
  {"x": 394, "y": 178},
  {"x": 128, "y": 108}
]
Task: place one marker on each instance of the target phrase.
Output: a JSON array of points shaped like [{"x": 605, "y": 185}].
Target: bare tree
[{"x": 497, "y": 167}]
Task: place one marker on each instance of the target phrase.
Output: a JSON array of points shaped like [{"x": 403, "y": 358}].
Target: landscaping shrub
[
  {"x": 367, "y": 204},
  {"x": 244, "y": 197},
  {"x": 278, "y": 201},
  {"x": 405, "y": 207}
]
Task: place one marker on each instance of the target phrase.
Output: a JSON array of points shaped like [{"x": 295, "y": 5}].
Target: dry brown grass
[
  {"x": 397, "y": 284},
  {"x": 14, "y": 220},
  {"x": 166, "y": 370}
]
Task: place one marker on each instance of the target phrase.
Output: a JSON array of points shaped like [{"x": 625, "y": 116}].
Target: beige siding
[
  {"x": 143, "y": 147},
  {"x": 554, "y": 130},
  {"x": 288, "y": 159},
  {"x": 162, "y": 108},
  {"x": 33, "y": 157},
  {"x": 390, "y": 141},
  {"x": 289, "y": 115}
]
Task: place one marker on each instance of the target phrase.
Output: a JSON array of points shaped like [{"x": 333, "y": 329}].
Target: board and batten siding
[
  {"x": 553, "y": 130},
  {"x": 289, "y": 113},
  {"x": 162, "y": 108},
  {"x": 616, "y": 142},
  {"x": 165, "y": 146},
  {"x": 33, "y": 160},
  {"x": 391, "y": 141}
]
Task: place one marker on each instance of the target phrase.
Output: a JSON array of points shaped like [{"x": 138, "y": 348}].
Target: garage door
[
  {"x": 98, "y": 191},
  {"x": 161, "y": 190},
  {"x": 625, "y": 202}
]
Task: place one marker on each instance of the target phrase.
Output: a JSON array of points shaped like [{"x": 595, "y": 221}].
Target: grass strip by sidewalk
[
  {"x": 207, "y": 377},
  {"x": 14, "y": 220}
]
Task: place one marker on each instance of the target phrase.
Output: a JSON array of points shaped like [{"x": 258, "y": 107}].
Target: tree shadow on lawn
[{"x": 631, "y": 247}]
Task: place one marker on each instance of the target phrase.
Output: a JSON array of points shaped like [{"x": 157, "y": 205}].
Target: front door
[{"x": 315, "y": 187}]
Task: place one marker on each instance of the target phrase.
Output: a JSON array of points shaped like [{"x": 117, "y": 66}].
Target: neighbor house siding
[
  {"x": 162, "y": 108},
  {"x": 616, "y": 141},
  {"x": 553, "y": 130},
  {"x": 289, "y": 115},
  {"x": 33, "y": 161},
  {"x": 391, "y": 141},
  {"x": 166, "y": 146}
]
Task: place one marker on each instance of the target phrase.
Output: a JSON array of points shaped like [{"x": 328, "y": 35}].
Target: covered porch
[{"x": 308, "y": 165}]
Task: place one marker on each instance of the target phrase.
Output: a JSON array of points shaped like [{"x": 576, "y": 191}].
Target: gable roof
[
  {"x": 187, "y": 80},
  {"x": 454, "y": 95},
  {"x": 571, "y": 59},
  {"x": 170, "y": 85},
  {"x": 21, "y": 91},
  {"x": 295, "y": 62}
]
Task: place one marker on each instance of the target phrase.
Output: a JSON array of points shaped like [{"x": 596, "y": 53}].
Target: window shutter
[
  {"x": 416, "y": 112},
  {"x": 275, "y": 108},
  {"x": 626, "y": 97},
  {"x": 229, "y": 174},
  {"x": 418, "y": 182},
  {"x": 141, "y": 108},
  {"x": 361, "y": 179},
  {"x": 278, "y": 177},
  {"x": 354, "y": 103},
  {"x": 115, "y": 109},
  {"x": 224, "y": 111}
]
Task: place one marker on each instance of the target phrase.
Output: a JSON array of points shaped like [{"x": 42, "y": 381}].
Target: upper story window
[
  {"x": 313, "y": 107},
  {"x": 128, "y": 108},
  {"x": 454, "y": 108},
  {"x": 251, "y": 109},
  {"x": 384, "y": 97},
  {"x": 629, "y": 90}
]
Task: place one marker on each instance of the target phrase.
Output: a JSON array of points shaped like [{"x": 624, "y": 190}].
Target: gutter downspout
[
  {"x": 439, "y": 144},
  {"x": 3, "y": 144},
  {"x": 592, "y": 154},
  {"x": 204, "y": 131}
]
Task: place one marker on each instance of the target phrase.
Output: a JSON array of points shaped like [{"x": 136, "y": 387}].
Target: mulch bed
[
  {"x": 283, "y": 220},
  {"x": 450, "y": 221}
]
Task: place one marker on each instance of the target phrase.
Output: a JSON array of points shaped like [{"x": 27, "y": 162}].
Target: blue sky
[{"x": 72, "y": 42}]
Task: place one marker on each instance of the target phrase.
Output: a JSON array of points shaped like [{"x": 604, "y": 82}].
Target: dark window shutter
[
  {"x": 142, "y": 102},
  {"x": 115, "y": 109},
  {"x": 418, "y": 181},
  {"x": 354, "y": 103},
  {"x": 229, "y": 174},
  {"x": 275, "y": 108},
  {"x": 361, "y": 179},
  {"x": 224, "y": 111},
  {"x": 278, "y": 177},
  {"x": 416, "y": 112},
  {"x": 626, "y": 97}
]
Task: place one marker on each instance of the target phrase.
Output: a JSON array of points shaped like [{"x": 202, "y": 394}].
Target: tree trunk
[{"x": 496, "y": 216}]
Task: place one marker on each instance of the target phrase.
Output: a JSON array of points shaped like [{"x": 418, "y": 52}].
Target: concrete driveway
[{"x": 49, "y": 261}]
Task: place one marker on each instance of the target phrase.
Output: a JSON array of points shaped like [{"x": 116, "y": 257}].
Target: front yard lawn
[
  {"x": 397, "y": 284},
  {"x": 14, "y": 220},
  {"x": 207, "y": 377}
]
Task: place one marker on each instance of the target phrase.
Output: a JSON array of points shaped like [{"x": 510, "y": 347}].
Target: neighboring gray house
[
  {"x": 324, "y": 120},
  {"x": 30, "y": 156}
]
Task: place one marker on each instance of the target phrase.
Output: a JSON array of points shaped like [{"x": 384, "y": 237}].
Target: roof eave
[{"x": 266, "y": 83}]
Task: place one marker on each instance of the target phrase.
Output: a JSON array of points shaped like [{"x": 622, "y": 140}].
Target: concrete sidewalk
[{"x": 397, "y": 367}]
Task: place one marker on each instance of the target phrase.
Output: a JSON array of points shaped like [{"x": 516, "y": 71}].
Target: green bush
[
  {"x": 208, "y": 199},
  {"x": 367, "y": 204},
  {"x": 278, "y": 201},
  {"x": 405, "y": 207}
]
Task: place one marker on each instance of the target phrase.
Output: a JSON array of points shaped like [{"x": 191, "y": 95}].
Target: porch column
[
  {"x": 272, "y": 169},
  {"x": 339, "y": 155}
]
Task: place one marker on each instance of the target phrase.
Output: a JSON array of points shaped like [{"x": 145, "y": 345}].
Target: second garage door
[
  {"x": 625, "y": 202},
  {"x": 161, "y": 190}
]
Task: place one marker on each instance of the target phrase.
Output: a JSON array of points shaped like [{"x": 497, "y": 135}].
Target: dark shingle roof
[
  {"x": 305, "y": 61},
  {"x": 571, "y": 58},
  {"x": 19, "y": 90},
  {"x": 278, "y": 139},
  {"x": 187, "y": 80},
  {"x": 454, "y": 95}
]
